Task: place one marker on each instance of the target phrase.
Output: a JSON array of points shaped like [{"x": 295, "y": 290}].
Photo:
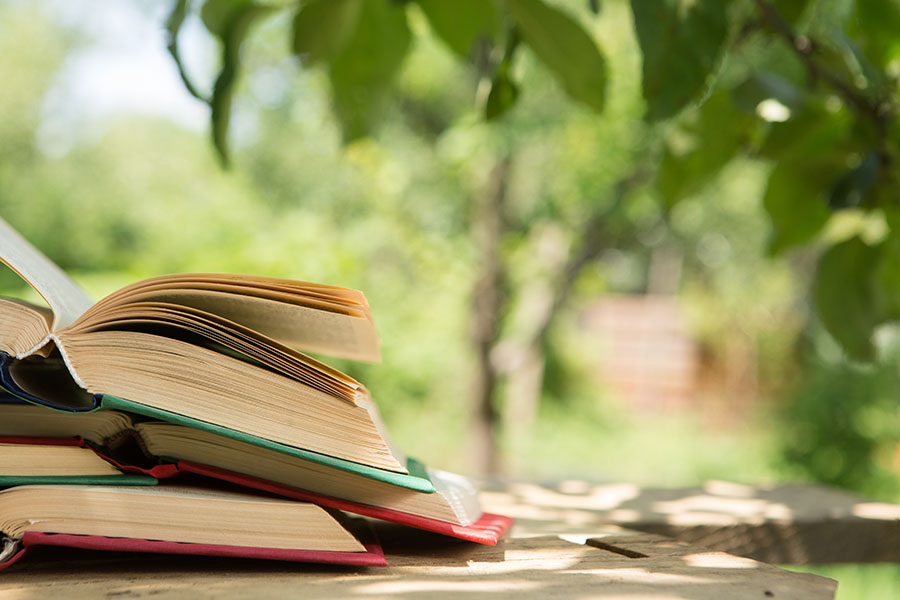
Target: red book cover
[{"x": 372, "y": 557}]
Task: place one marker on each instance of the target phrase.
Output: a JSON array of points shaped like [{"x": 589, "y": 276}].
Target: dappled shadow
[
  {"x": 627, "y": 565},
  {"x": 571, "y": 539},
  {"x": 783, "y": 524}
]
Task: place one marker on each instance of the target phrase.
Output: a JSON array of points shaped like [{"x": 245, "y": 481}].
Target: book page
[{"x": 66, "y": 299}]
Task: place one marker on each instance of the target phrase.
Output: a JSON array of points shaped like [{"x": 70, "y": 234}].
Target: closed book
[{"x": 179, "y": 520}]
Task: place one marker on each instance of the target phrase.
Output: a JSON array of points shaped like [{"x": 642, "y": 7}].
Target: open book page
[{"x": 67, "y": 300}]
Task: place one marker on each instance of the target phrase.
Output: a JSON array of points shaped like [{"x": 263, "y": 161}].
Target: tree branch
[
  {"x": 803, "y": 48},
  {"x": 594, "y": 241}
]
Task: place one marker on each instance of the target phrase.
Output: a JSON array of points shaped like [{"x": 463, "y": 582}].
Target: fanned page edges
[
  {"x": 201, "y": 384},
  {"x": 309, "y": 316},
  {"x": 205, "y": 327}
]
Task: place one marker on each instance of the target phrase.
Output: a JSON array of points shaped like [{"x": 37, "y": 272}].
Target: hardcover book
[
  {"x": 212, "y": 349},
  {"x": 178, "y": 520},
  {"x": 163, "y": 450}
]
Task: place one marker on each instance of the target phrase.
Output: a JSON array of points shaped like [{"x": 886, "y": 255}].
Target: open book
[
  {"x": 177, "y": 520},
  {"x": 211, "y": 349}
]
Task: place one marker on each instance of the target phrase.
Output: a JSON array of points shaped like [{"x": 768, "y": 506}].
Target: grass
[{"x": 859, "y": 582}]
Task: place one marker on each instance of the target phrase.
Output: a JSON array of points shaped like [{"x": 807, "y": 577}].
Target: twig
[{"x": 803, "y": 47}]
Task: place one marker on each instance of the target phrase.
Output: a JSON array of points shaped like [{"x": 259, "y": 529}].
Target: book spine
[{"x": 9, "y": 385}]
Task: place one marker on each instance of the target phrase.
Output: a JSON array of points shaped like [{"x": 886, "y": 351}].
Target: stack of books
[{"x": 180, "y": 415}]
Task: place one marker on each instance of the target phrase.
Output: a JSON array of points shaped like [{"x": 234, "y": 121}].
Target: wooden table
[
  {"x": 563, "y": 545},
  {"x": 786, "y": 524}
]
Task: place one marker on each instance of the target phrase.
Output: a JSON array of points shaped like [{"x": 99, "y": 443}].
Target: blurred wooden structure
[
  {"x": 647, "y": 355},
  {"x": 564, "y": 544}
]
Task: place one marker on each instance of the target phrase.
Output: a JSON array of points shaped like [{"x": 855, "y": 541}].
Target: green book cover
[
  {"x": 417, "y": 479},
  {"x": 12, "y": 480}
]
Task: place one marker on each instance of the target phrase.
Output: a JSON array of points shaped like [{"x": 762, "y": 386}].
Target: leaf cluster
[
  {"x": 808, "y": 86},
  {"x": 362, "y": 44}
]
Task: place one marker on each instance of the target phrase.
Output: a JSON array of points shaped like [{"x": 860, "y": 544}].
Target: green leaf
[
  {"x": 234, "y": 31},
  {"x": 875, "y": 27},
  {"x": 504, "y": 91},
  {"x": 565, "y": 48},
  {"x": 888, "y": 274},
  {"x": 362, "y": 71},
  {"x": 462, "y": 23},
  {"x": 322, "y": 27},
  {"x": 681, "y": 41},
  {"x": 853, "y": 188},
  {"x": 848, "y": 297},
  {"x": 795, "y": 200},
  {"x": 717, "y": 131},
  {"x": 763, "y": 85},
  {"x": 502, "y": 96},
  {"x": 811, "y": 131},
  {"x": 173, "y": 28},
  {"x": 217, "y": 14},
  {"x": 791, "y": 10}
]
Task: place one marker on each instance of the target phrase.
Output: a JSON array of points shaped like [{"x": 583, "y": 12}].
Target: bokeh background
[{"x": 682, "y": 352}]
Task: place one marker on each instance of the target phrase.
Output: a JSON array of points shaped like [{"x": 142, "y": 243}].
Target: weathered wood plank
[
  {"x": 604, "y": 562},
  {"x": 789, "y": 524},
  {"x": 563, "y": 545}
]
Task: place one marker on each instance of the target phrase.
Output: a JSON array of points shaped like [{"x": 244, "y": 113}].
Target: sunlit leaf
[
  {"x": 462, "y": 23},
  {"x": 362, "y": 71},
  {"x": 322, "y": 27},
  {"x": 564, "y": 47},
  {"x": 681, "y": 42},
  {"x": 847, "y": 296}
]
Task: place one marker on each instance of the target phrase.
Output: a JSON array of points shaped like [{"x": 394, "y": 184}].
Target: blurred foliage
[
  {"x": 840, "y": 423},
  {"x": 810, "y": 86}
]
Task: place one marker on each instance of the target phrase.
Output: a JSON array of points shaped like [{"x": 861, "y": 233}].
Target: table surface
[{"x": 565, "y": 543}]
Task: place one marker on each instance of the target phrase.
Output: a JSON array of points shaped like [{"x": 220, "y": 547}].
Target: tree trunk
[
  {"x": 527, "y": 359},
  {"x": 489, "y": 303}
]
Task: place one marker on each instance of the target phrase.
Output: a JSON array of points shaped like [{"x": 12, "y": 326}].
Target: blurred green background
[{"x": 122, "y": 189}]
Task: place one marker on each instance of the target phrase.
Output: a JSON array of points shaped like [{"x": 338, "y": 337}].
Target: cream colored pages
[
  {"x": 67, "y": 300},
  {"x": 309, "y": 329}
]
